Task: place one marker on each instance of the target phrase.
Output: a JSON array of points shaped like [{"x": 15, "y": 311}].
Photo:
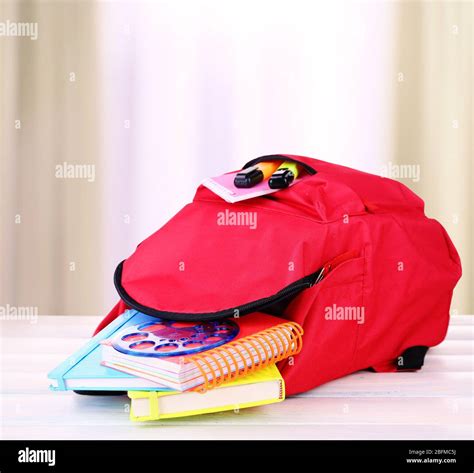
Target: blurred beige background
[{"x": 144, "y": 91}]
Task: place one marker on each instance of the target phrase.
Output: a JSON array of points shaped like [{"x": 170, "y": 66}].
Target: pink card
[{"x": 224, "y": 187}]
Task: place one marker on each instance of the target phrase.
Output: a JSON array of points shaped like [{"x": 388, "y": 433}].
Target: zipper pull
[
  {"x": 319, "y": 276},
  {"x": 326, "y": 269}
]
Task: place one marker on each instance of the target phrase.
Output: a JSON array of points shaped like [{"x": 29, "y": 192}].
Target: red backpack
[{"x": 348, "y": 255}]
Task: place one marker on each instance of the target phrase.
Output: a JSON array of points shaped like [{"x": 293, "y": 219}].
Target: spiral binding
[{"x": 222, "y": 364}]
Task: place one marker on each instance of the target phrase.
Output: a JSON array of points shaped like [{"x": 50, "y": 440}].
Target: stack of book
[{"x": 175, "y": 368}]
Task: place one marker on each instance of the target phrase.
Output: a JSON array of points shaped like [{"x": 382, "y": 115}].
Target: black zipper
[
  {"x": 244, "y": 309},
  {"x": 270, "y": 157}
]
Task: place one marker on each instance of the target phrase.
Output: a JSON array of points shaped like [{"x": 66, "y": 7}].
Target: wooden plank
[
  {"x": 460, "y": 332},
  {"x": 52, "y": 327},
  {"x": 453, "y": 348},
  {"x": 465, "y": 319},
  {"x": 450, "y": 364},
  {"x": 298, "y": 417},
  {"x": 419, "y": 384},
  {"x": 108, "y": 411},
  {"x": 360, "y": 384},
  {"x": 239, "y": 432}
]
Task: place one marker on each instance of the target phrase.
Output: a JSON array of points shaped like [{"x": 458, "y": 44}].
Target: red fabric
[
  {"x": 118, "y": 309},
  {"x": 402, "y": 271}
]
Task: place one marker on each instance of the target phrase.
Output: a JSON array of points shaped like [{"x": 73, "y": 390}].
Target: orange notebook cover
[{"x": 262, "y": 339}]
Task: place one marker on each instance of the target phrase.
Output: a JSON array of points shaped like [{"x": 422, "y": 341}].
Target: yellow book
[{"x": 264, "y": 386}]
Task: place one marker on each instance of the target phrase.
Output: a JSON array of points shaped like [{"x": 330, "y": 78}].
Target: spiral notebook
[{"x": 201, "y": 356}]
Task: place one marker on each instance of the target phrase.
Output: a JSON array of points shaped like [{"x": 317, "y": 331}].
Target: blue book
[{"x": 82, "y": 371}]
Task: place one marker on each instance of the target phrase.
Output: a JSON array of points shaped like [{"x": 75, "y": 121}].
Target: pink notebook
[{"x": 224, "y": 187}]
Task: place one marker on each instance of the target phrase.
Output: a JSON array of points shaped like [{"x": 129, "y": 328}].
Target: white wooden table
[{"x": 435, "y": 403}]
